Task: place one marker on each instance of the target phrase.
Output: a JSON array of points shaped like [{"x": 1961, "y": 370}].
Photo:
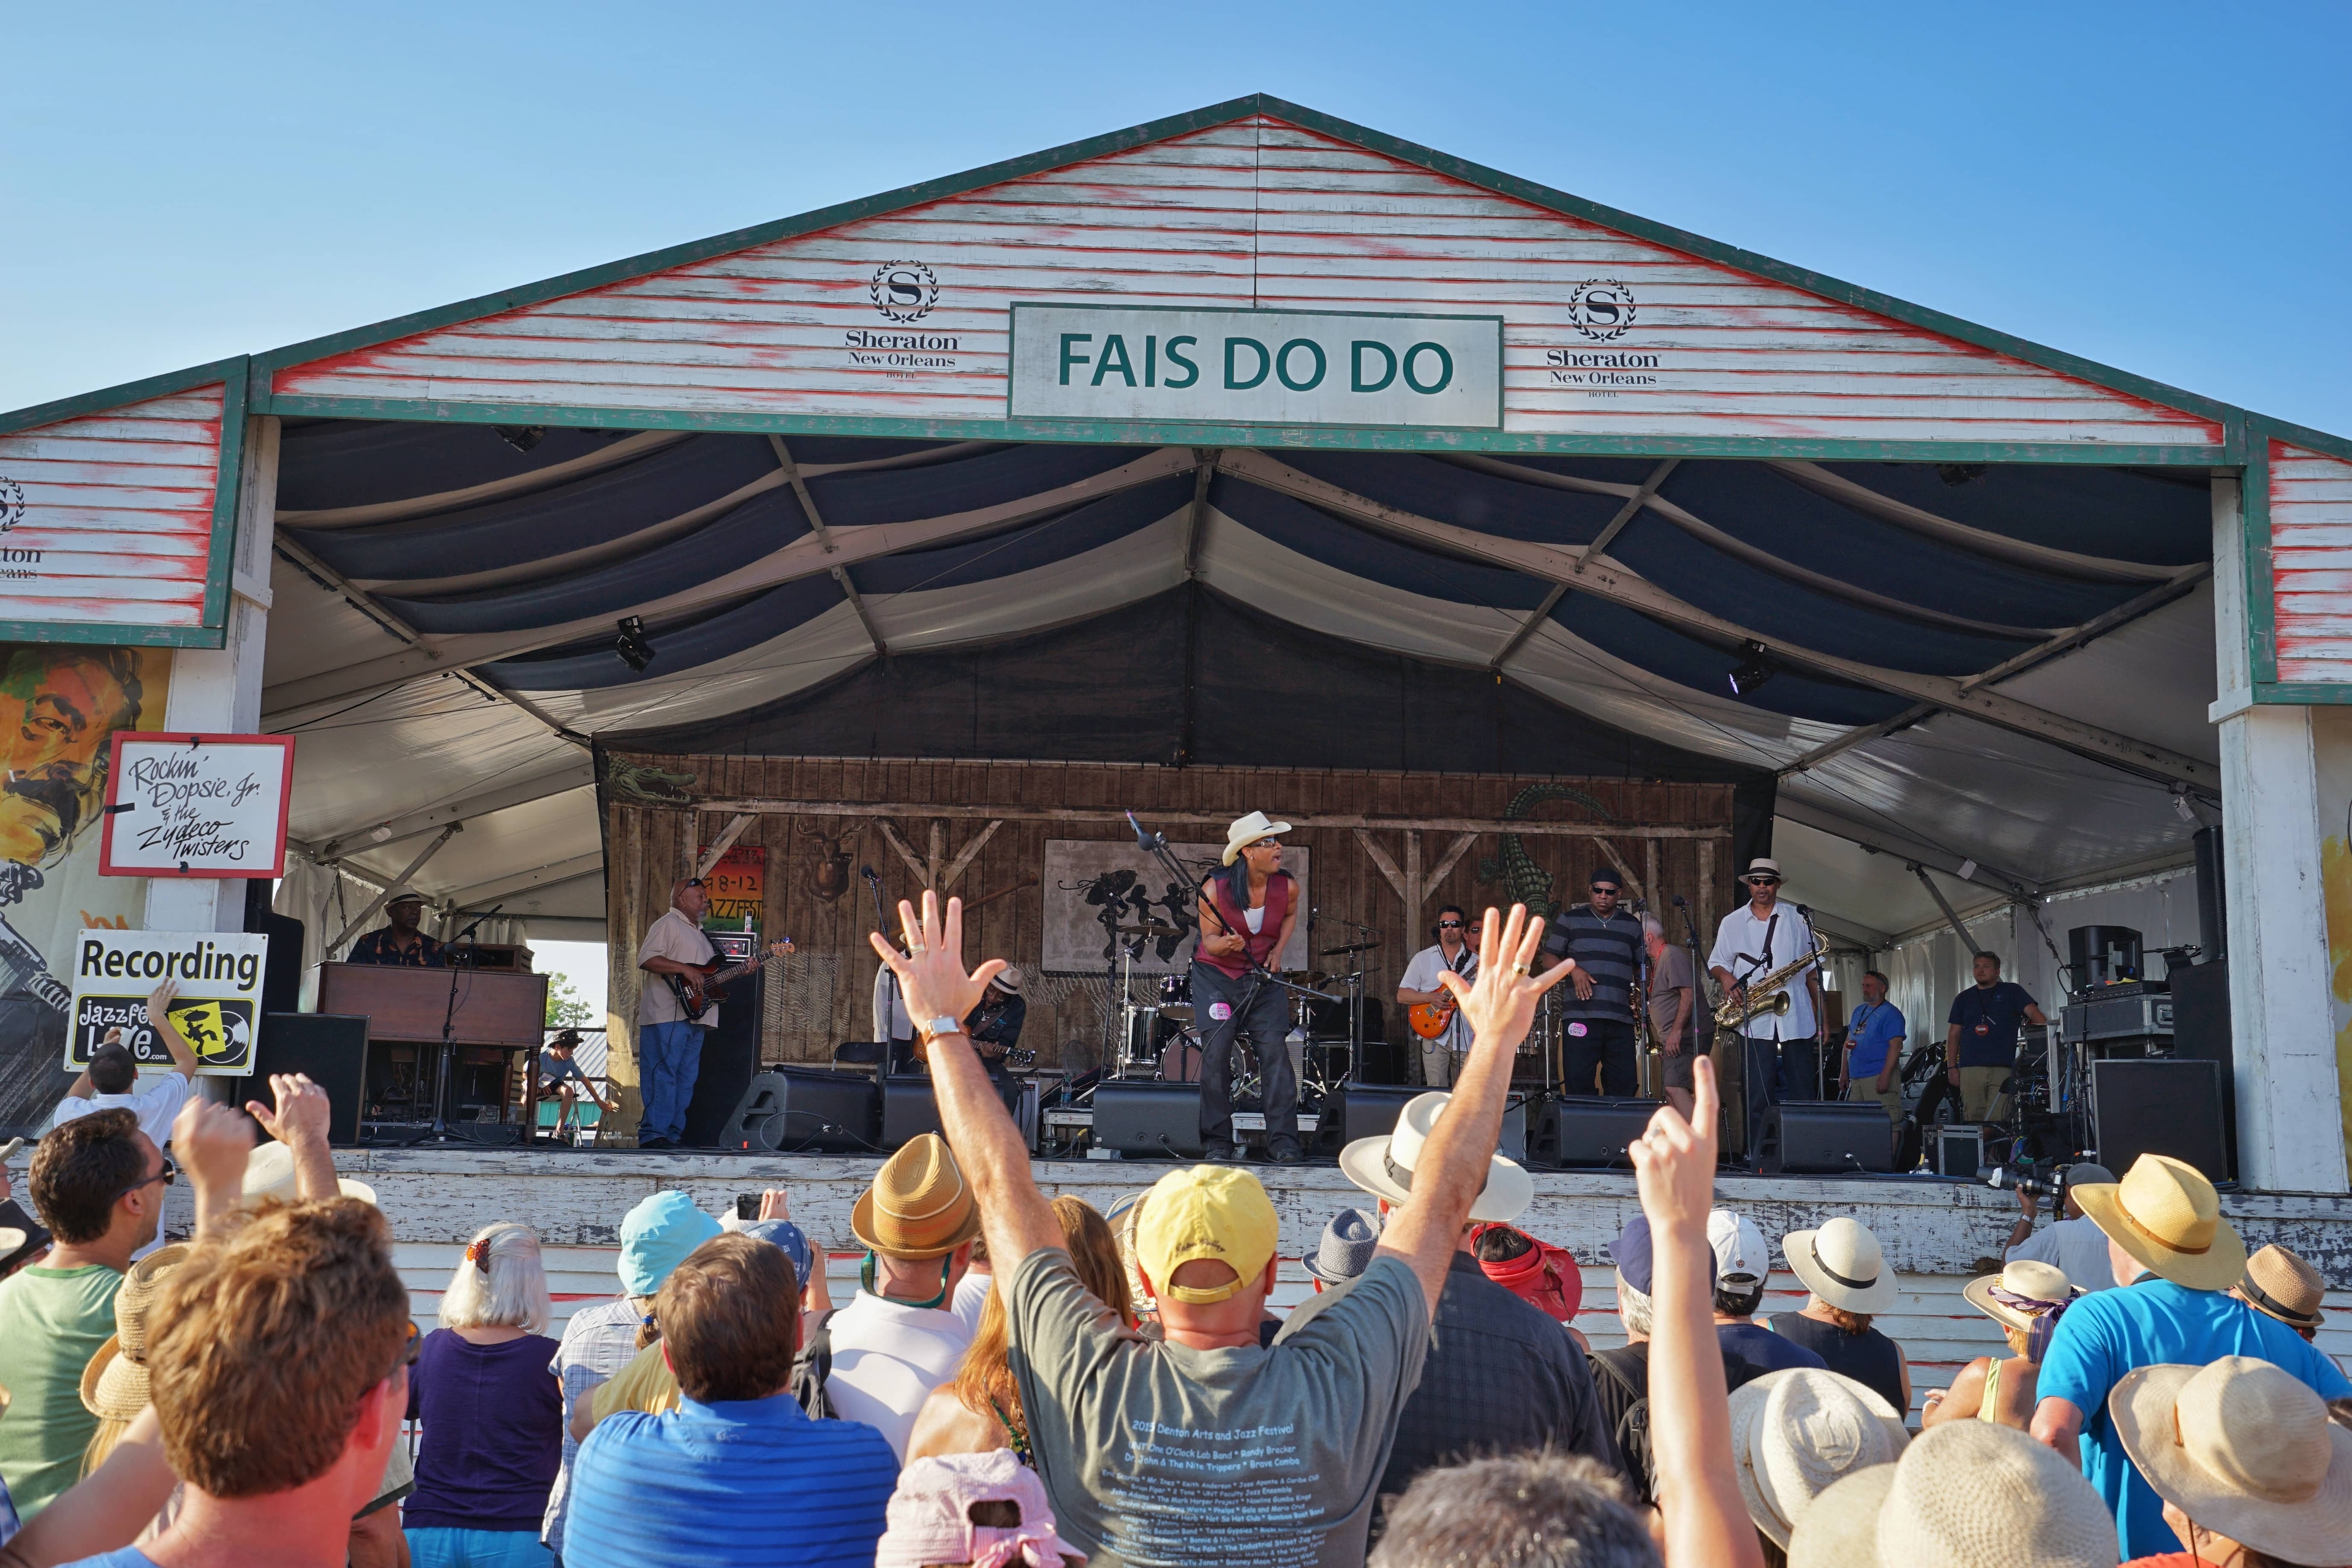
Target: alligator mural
[{"x": 1528, "y": 882}]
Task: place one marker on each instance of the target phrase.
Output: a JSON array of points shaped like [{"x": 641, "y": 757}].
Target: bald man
[{"x": 669, "y": 1048}]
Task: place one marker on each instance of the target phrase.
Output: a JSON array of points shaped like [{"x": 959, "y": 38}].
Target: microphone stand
[
  {"x": 895, "y": 1002},
  {"x": 439, "y": 1131}
]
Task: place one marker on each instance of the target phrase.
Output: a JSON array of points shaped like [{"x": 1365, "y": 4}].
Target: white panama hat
[{"x": 1384, "y": 1166}]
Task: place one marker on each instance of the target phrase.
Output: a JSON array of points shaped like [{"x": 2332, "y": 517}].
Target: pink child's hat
[{"x": 930, "y": 1516}]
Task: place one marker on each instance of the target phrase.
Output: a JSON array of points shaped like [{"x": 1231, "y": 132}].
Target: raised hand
[
  {"x": 775, "y": 1203},
  {"x": 1501, "y": 1002},
  {"x": 300, "y": 1115},
  {"x": 932, "y": 975},
  {"x": 212, "y": 1143},
  {"x": 1674, "y": 1161}
]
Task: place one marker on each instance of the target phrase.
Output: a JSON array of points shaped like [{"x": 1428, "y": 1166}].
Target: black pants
[
  {"x": 1766, "y": 1080},
  {"x": 1268, "y": 1022},
  {"x": 1607, "y": 1044}
]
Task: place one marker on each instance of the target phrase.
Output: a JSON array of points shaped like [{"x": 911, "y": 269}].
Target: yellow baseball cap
[{"x": 1211, "y": 1212}]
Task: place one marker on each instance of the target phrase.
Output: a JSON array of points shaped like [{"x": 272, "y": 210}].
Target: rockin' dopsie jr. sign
[
  {"x": 220, "y": 1001},
  {"x": 197, "y": 805}
]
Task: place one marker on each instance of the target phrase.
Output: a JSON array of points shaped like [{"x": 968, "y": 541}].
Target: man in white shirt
[
  {"x": 900, "y": 1338},
  {"x": 2074, "y": 1245},
  {"x": 112, "y": 1076},
  {"x": 1762, "y": 935},
  {"x": 1456, "y": 948},
  {"x": 669, "y": 1044}
]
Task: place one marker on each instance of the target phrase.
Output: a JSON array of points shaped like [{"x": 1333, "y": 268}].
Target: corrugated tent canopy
[{"x": 1275, "y": 608}]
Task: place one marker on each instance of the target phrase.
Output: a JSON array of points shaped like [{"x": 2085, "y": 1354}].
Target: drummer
[{"x": 1456, "y": 948}]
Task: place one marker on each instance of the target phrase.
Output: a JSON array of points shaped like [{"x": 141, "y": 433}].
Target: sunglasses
[
  {"x": 1449, "y": 925},
  {"x": 409, "y": 1348},
  {"x": 1760, "y": 881},
  {"x": 167, "y": 1175},
  {"x": 1609, "y": 888}
]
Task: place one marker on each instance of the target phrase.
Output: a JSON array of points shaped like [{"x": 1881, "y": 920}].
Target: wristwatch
[{"x": 945, "y": 1024}]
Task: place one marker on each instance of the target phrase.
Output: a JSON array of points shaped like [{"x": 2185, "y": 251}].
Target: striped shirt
[
  {"x": 598, "y": 1341},
  {"x": 748, "y": 1482},
  {"x": 1606, "y": 950}
]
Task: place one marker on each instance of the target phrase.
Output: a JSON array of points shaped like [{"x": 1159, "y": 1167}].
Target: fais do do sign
[
  {"x": 1135, "y": 363},
  {"x": 217, "y": 1008}
]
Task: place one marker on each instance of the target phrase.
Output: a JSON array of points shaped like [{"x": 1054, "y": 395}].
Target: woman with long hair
[{"x": 980, "y": 1410}]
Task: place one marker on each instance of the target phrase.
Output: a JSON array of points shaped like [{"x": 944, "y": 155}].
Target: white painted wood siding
[
  {"x": 116, "y": 513},
  {"x": 1257, "y": 212},
  {"x": 2311, "y": 562}
]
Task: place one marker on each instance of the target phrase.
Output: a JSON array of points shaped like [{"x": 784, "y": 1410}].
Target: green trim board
[
  {"x": 2266, "y": 428},
  {"x": 2261, "y": 595},
  {"x": 228, "y": 484},
  {"x": 228, "y": 372},
  {"x": 1365, "y": 438},
  {"x": 111, "y": 635},
  {"x": 1509, "y": 185}
]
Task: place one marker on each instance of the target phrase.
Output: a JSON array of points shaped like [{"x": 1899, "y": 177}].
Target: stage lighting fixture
[
  {"x": 1753, "y": 671},
  {"x": 522, "y": 438},
  {"x": 631, "y": 644}
]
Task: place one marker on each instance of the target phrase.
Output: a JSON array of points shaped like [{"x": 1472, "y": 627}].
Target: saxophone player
[{"x": 1758, "y": 937}]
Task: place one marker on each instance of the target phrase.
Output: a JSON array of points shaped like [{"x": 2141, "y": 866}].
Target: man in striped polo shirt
[{"x": 1596, "y": 1036}]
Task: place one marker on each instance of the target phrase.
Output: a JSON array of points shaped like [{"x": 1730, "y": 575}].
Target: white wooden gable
[{"x": 1253, "y": 213}]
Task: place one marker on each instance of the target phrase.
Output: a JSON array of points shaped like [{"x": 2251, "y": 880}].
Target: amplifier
[
  {"x": 1144, "y": 1120},
  {"x": 1582, "y": 1129},
  {"x": 2159, "y": 1107},
  {"x": 1957, "y": 1150},
  {"x": 332, "y": 1048},
  {"x": 789, "y": 1110},
  {"x": 2109, "y": 1017},
  {"x": 1356, "y": 1111},
  {"x": 909, "y": 1109},
  {"x": 1828, "y": 1135}
]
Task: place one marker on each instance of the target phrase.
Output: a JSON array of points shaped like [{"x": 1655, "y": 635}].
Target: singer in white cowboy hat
[{"x": 1246, "y": 913}]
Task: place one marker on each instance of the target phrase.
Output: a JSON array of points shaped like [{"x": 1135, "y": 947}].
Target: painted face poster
[
  {"x": 60, "y": 706},
  {"x": 218, "y": 976}
]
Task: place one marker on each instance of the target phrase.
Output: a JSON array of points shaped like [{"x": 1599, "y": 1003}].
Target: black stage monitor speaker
[
  {"x": 1143, "y": 1119},
  {"x": 909, "y": 1109},
  {"x": 794, "y": 1109},
  {"x": 2201, "y": 1030},
  {"x": 332, "y": 1048},
  {"x": 1356, "y": 1111},
  {"x": 1589, "y": 1130},
  {"x": 2159, "y": 1107},
  {"x": 730, "y": 1055},
  {"x": 1829, "y": 1135}
]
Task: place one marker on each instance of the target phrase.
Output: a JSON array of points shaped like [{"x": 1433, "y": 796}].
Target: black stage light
[
  {"x": 522, "y": 438},
  {"x": 631, "y": 644},
  {"x": 1753, "y": 671}
]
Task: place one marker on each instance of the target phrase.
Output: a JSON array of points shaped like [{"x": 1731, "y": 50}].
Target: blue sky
[{"x": 2161, "y": 187}]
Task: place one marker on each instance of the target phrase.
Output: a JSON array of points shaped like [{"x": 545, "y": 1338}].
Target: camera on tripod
[{"x": 2020, "y": 1178}]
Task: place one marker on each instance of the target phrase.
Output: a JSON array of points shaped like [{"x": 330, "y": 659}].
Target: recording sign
[{"x": 220, "y": 1001}]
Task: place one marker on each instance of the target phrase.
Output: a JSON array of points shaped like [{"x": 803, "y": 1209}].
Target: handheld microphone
[
  {"x": 1679, "y": 902},
  {"x": 1143, "y": 840}
]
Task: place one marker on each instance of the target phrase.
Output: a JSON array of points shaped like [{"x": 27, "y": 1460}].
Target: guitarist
[
  {"x": 1456, "y": 948},
  {"x": 669, "y": 1048}
]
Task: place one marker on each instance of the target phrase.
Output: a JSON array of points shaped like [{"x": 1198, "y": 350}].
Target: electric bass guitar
[{"x": 694, "y": 995}]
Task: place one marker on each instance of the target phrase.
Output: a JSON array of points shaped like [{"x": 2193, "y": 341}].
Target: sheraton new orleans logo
[
  {"x": 904, "y": 290},
  {"x": 1602, "y": 309}
]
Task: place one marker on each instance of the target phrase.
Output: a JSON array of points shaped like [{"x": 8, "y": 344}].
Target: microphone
[
  {"x": 1143, "y": 840},
  {"x": 867, "y": 872},
  {"x": 486, "y": 914},
  {"x": 1679, "y": 902}
]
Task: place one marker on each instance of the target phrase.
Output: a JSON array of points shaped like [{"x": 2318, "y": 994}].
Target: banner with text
[
  {"x": 218, "y": 1004},
  {"x": 198, "y": 806},
  {"x": 1260, "y": 367}
]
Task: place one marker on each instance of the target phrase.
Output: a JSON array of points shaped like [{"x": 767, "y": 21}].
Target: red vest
[{"x": 1259, "y": 945}]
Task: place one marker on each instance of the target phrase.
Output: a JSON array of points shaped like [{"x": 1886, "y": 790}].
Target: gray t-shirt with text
[{"x": 1157, "y": 1456}]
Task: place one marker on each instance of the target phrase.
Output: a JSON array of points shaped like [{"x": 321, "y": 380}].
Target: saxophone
[{"x": 1766, "y": 993}]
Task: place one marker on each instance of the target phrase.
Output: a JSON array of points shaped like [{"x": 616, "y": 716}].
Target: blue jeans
[
  {"x": 444, "y": 1548},
  {"x": 669, "y": 1057}
]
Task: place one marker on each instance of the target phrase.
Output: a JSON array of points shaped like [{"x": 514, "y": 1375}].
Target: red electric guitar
[{"x": 694, "y": 995}]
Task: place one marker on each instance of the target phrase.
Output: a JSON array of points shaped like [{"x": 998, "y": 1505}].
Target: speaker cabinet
[
  {"x": 332, "y": 1048},
  {"x": 2159, "y": 1107},
  {"x": 1825, "y": 1135},
  {"x": 730, "y": 1055},
  {"x": 796, "y": 1110},
  {"x": 1356, "y": 1111},
  {"x": 1144, "y": 1120},
  {"x": 1589, "y": 1130},
  {"x": 911, "y": 1108},
  {"x": 2201, "y": 1031}
]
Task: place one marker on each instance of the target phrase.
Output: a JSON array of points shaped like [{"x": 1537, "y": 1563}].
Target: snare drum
[{"x": 1176, "y": 997}]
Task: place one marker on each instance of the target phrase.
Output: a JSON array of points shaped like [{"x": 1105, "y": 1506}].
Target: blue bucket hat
[
  {"x": 784, "y": 1232},
  {"x": 657, "y": 1235}
]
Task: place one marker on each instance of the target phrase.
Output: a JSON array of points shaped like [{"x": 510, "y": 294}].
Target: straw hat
[
  {"x": 1841, "y": 1530},
  {"x": 1841, "y": 1264},
  {"x": 1971, "y": 1493},
  {"x": 2242, "y": 1447},
  {"x": 1796, "y": 1432},
  {"x": 1008, "y": 980},
  {"x": 919, "y": 1205},
  {"x": 2026, "y": 1278},
  {"x": 2279, "y": 1285},
  {"x": 1383, "y": 1166},
  {"x": 2166, "y": 1214},
  {"x": 1249, "y": 830},
  {"x": 269, "y": 1174},
  {"x": 114, "y": 1385}
]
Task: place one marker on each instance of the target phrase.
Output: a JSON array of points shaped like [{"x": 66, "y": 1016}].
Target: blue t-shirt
[
  {"x": 1760, "y": 1347},
  {"x": 1990, "y": 1017},
  {"x": 748, "y": 1481},
  {"x": 1870, "y": 1029},
  {"x": 2154, "y": 1322}
]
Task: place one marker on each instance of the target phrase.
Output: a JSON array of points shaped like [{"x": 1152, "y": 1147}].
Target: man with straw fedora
[
  {"x": 900, "y": 1338},
  {"x": 2244, "y": 1457},
  {"x": 2278, "y": 1284},
  {"x": 2168, "y": 1242}
]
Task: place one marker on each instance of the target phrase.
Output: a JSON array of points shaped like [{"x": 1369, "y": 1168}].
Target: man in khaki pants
[
  {"x": 1981, "y": 1046},
  {"x": 1873, "y": 1051}
]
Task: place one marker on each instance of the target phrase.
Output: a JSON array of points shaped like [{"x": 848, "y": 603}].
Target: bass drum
[{"x": 1179, "y": 1053}]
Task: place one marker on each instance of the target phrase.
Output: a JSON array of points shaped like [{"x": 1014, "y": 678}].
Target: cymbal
[
  {"x": 1149, "y": 928},
  {"x": 1351, "y": 947}
]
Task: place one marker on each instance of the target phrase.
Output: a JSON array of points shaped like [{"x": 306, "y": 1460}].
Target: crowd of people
[{"x": 1020, "y": 1380}]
